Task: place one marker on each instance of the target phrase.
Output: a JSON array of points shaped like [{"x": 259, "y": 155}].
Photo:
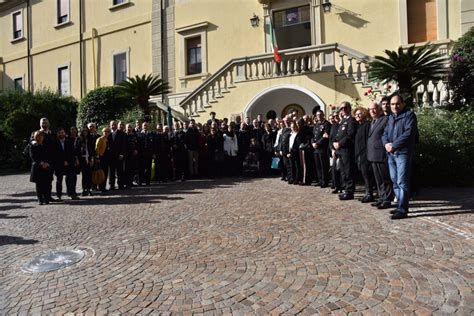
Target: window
[
  {"x": 17, "y": 25},
  {"x": 422, "y": 21},
  {"x": 18, "y": 83},
  {"x": 120, "y": 67},
  {"x": 115, "y": 2},
  {"x": 63, "y": 80},
  {"x": 193, "y": 56},
  {"x": 63, "y": 11},
  {"x": 293, "y": 27}
]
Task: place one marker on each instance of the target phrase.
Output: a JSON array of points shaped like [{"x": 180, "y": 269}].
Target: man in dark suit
[
  {"x": 377, "y": 156},
  {"x": 131, "y": 156},
  {"x": 146, "y": 153},
  {"x": 320, "y": 142},
  {"x": 118, "y": 146},
  {"x": 50, "y": 145},
  {"x": 344, "y": 146},
  {"x": 285, "y": 148},
  {"x": 66, "y": 164}
]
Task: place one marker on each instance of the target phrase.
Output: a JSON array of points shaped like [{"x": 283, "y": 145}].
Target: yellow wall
[
  {"x": 229, "y": 35},
  {"x": 127, "y": 27},
  {"x": 454, "y": 19},
  {"x": 369, "y": 26},
  {"x": 136, "y": 38},
  {"x": 331, "y": 89},
  {"x": 9, "y": 50}
]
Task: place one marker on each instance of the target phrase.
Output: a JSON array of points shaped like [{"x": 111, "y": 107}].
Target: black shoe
[
  {"x": 376, "y": 204},
  {"x": 346, "y": 196},
  {"x": 335, "y": 191},
  {"x": 57, "y": 200},
  {"x": 384, "y": 205},
  {"x": 90, "y": 193},
  {"x": 46, "y": 202},
  {"x": 394, "y": 211},
  {"x": 399, "y": 215},
  {"x": 84, "y": 193},
  {"x": 51, "y": 199},
  {"x": 324, "y": 186},
  {"x": 74, "y": 197},
  {"x": 367, "y": 199},
  {"x": 112, "y": 187},
  {"x": 40, "y": 203}
]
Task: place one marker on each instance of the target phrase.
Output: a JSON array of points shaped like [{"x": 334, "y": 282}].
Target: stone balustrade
[{"x": 344, "y": 61}]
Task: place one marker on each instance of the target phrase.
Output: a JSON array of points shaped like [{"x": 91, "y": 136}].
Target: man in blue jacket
[{"x": 399, "y": 140}]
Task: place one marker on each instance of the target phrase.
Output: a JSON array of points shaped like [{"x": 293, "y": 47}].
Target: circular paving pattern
[{"x": 243, "y": 246}]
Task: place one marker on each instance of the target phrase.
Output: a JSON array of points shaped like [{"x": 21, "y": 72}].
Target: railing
[
  {"x": 295, "y": 61},
  {"x": 346, "y": 62}
]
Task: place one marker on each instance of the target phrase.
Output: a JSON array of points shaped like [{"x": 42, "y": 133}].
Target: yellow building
[{"x": 217, "y": 54}]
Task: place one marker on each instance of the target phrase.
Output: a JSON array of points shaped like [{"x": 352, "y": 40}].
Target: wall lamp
[
  {"x": 326, "y": 6},
  {"x": 255, "y": 20}
]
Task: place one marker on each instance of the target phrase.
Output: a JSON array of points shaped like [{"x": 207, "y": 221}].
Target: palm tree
[
  {"x": 141, "y": 88},
  {"x": 409, "y": 68}
]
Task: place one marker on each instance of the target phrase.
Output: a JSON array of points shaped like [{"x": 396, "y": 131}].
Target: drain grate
[{"x": 53, "y": 260}]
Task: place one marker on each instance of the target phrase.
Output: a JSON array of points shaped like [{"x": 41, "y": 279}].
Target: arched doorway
[{"x": 281, "y": 97}]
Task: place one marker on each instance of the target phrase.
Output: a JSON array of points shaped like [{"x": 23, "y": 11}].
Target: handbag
[
  {"x": 276, "y": 163},
  {"x": 98, "y": 176}
]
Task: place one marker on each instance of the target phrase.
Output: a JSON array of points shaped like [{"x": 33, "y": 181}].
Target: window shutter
[
  {"x": 63, "y": 8},
  {"x": 18, "y": 22}
]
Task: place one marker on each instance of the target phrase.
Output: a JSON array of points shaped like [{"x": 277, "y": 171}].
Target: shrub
[
  {"x": 102, "y": 105},
  {"x": 21, "y": 113},
  {"x": 446, "y": 148},
  {"x": 461, "y": 76}
]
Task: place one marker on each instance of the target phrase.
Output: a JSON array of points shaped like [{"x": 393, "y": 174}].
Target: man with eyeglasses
[
  {"x": 344, "y": 146},
  {"x": 399, "y": 139},
  {"x": 377, "y": 156}
]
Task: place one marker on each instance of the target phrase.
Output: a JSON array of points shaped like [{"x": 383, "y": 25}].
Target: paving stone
[{"x": 236, "y": 246}]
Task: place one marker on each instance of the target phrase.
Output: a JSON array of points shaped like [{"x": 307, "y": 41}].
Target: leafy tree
[
  {"x": 461, "y": 74},
  {"x": 20, "y": 114},
  {"x": 142, "y": 88},
  {"x": 409, "y": 68},
  {"x": 102, "y": 105}
]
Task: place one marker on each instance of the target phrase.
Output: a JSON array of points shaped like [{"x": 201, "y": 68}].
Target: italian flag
[{"x": 276, "y": 54}]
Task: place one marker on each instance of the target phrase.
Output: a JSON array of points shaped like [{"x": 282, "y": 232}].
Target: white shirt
[
  {"x": 278, "y": 137},
  {"x": 292, "y": 139},
  {"x": 231, "y": 145}
]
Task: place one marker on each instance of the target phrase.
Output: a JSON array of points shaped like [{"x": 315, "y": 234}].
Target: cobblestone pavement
[{"x": 240, "y": 246}]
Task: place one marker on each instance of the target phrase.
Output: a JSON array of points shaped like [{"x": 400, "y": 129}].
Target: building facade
[{"x": 217, "y": 55}]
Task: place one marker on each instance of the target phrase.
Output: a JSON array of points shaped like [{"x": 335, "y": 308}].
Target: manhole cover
[{"x": 53, "y": 260}]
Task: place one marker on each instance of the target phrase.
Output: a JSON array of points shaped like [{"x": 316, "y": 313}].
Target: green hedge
[
  {"x": 445, "y": 152},
  {"x": 103, "y": 105},
  {"x": 21, "y": 113},
  {"x": 461, "y": 72}
]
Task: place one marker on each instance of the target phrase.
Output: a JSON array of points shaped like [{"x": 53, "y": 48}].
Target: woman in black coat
[
  {"x": 296, "y": 174},
  {"x": 360, "y": 146},
  {"x": 41, "y": 171},
  {"x": 268, "y": 147},
  {"x": 85, "y": 150},
  {"x": 215, "y": 153}
]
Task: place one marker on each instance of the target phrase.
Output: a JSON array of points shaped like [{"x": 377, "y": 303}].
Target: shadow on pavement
[
  {"x": 12, "y": 240},
  {"x": 13, "y": 207},
  {"x": 6, "y": 216}
]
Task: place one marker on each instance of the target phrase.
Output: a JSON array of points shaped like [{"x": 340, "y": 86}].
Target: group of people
[
  {"x": 376, "y": 142},
  {"x": 307, "y": 150}
]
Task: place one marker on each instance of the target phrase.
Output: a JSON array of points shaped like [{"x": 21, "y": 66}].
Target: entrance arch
[{"x": 278, "y": 97}]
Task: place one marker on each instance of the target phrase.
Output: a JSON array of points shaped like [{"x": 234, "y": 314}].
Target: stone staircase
[{"x": 345, "y": 62}]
